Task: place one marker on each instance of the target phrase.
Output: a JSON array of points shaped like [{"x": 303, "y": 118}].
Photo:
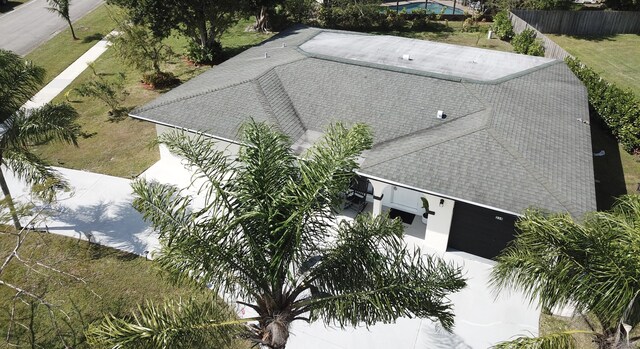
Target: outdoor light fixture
[{"x": 441, "y": 202}]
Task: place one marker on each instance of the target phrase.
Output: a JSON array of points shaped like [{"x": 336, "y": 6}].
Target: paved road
[{"x": 31, "y": 24}]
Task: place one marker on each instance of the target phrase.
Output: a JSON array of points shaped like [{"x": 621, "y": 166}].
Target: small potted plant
[{"x": 425, "y": 205}]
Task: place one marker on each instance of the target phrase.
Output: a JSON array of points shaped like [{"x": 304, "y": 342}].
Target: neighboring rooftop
[{"x": 512, "y": 142}]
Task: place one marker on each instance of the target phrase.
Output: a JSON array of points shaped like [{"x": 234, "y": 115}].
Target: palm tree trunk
[
  {"x": 73, "y": 33},
  {"x": 9, "y": 200}
]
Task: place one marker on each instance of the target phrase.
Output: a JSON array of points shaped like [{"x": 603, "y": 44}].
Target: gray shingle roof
[{"x": 510, "y": 143}]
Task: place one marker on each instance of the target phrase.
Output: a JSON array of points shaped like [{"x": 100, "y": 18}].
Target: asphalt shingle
[{"x": 512, "y": 143}]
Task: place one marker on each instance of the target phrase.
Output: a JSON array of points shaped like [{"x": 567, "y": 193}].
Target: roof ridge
[
  {"x": 151, "y": 106},
  {"x": 184, "y": 98},
  {"x": 531, "y": 170},
  {"x": 431, "y": 144},
  {"x": 266, "y": 102}
]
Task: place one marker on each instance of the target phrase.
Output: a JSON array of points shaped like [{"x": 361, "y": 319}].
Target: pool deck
[{"x": 443, "y": 2}]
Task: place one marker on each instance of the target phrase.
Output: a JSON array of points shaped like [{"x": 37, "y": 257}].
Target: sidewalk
[{"x": 60, "y": 82}]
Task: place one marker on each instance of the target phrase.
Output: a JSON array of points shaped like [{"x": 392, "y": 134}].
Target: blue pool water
[{"x": 433, "y": 7}]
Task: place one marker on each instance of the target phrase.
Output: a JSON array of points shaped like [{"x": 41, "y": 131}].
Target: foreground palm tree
[
  {"x": 268, "y": 237},
  {"x": 593, "y": 266},
  {"x": 20, "y": 129}
]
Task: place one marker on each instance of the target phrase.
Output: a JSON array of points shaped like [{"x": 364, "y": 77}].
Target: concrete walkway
[
  {"x": 98, "y": 208},
  {"x": 60, "y": 82}
]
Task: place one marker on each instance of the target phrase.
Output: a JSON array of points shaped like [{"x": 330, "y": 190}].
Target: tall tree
[
  {"x": 20, "y": 128},
  {"x": 268, "y": 237},
  {"x": 137, "y": 46},
  {"x": 61, "y": 7},
  {"x": 593, "y": 266},
  {"x": 202, "y": 21},
  {"x": 261, "y": 9}
]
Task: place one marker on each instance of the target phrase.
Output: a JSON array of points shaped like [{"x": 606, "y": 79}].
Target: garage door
[{"x": 480, "y": 231}]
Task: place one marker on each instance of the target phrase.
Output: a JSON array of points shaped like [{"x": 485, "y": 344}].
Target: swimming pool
[{"x": 433, "y": 7}]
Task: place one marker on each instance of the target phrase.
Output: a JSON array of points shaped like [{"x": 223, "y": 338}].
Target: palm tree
[
  {"x": 21, "y": 128},
  {"x": 593, "y": 266},
  {"x": 61, "y": 8},
  {"x": 267, "y": 236}
]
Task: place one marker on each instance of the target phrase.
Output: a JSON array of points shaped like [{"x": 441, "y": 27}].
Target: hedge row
[{"x": 618, "y": 108}]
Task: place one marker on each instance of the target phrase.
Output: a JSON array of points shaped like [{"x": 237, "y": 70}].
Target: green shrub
[
  {"x": 110, "y": 91},
  {"x": 160, "y": 79},
  {"x": 397, "y": 21},
  {"x": 300, "y": 11},
  {"x": 352, "y": 16},
  {"x": 618, "y": 108},
  {"x": 536, "y": 48},
  {"x": 527, "y": 44},
  {"x": 201, "y": 54},
  {"x": 470, "y": 25},
  {"x": 502, "y": 26},
  {"x": 420, "y": 20}
]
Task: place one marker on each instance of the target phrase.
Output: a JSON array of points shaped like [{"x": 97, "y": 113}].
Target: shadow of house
[{"x": 607, "y": 169}]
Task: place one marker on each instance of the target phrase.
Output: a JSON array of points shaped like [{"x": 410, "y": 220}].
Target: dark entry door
[{"x": 480, "y": 231}]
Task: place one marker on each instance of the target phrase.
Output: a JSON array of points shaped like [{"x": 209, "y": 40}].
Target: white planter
[{"x": 424, "y": 220}]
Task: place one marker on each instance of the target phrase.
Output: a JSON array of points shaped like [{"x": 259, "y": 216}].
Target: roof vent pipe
[
  {"x": 407, "y": 57},
  {"x": 441, "y": 115}
]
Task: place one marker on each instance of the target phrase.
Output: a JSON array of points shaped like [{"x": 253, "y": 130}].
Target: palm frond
[
  {"x": 19, "y": 81},
  {"x": 60, "y": 7},
  {"x": 51, "y": 122},
  {"x": 557, "y": 340},
  {"x": 44, "y": 180},
  {"x": 174, "y": 324},
  {"x": 194, "y": 251},
  {"x": 369, "y": 276},
  {"x": 591, "y": 265},
  {"x": 316, "y": 194}
]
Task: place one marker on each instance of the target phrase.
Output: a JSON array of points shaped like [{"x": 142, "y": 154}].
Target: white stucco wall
[
  {"x": 227, "y": 147},
  {"x": 439, "y": 223}
]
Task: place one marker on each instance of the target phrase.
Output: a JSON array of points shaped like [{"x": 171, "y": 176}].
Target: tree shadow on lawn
[
  {"x": 92, "y": 37},
  {"x": 607, "y": 169},
  {"x": 594, "y": 38}
]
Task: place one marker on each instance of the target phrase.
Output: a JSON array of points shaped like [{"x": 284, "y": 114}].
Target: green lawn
[
  {"x": 616, "y": 58},
  {"x": 115, "y": 283},
  {"x": 123, "y": 148},
  {"x": 452, "y": 33},
  {"x": 551, "y": 323}
]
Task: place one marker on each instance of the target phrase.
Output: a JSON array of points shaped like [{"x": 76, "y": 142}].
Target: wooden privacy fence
[
  {"x": 551, "y": 49},
  {"x": 582, "y": 22}
]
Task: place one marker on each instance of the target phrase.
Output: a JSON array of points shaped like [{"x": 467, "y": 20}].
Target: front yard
[
  {"x": 94, "y": 281},
  {"x": 121, "y": 148}
]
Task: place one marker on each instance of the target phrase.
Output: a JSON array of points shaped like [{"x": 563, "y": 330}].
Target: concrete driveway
[
  {"x": 100, "y": 207},
  {"x": 29, "y": 25}
]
